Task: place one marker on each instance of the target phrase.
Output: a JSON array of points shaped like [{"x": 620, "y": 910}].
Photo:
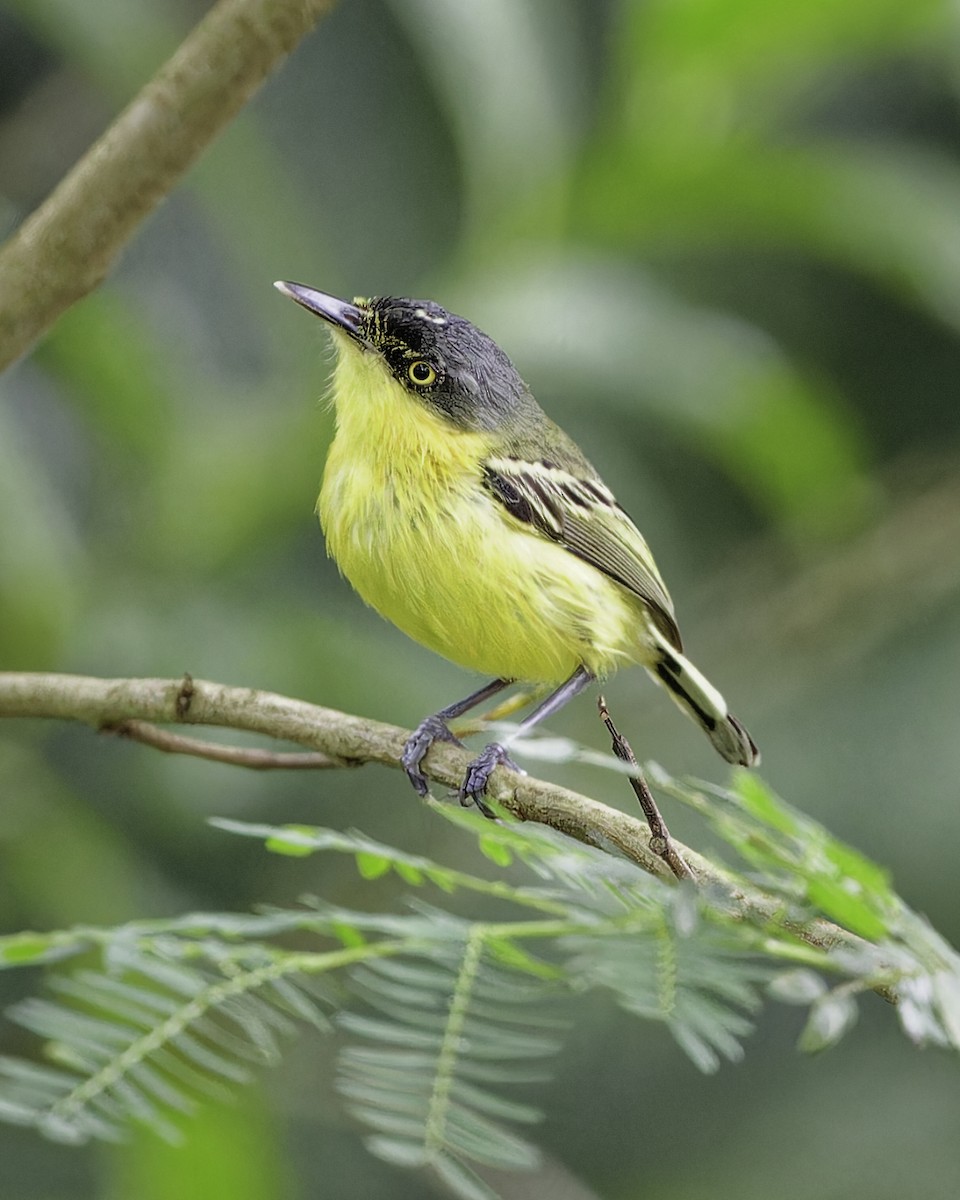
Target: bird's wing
[{"x": 574, "y": 507}]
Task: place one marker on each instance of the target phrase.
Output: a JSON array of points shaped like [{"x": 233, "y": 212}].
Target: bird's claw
[
  {"x": 474, "y": 785},
  {"x": 417, "y": 745}
]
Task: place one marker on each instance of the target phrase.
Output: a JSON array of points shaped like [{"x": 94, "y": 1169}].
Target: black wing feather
[{"x": 583, "y": 516}]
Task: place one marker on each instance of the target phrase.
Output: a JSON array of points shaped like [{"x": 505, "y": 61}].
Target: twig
[
  {"x": 65, "y": 249},
  {"x": 110, "y": 702},
  {"x": 236, "y": 756},
  {"x": 660, "y": 841}
]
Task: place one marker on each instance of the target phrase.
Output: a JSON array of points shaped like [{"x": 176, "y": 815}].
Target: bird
[{"x": 463, "y": 514}]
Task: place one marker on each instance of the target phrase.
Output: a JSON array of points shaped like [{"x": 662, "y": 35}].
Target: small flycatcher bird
[{"x": 464, "y": 515}]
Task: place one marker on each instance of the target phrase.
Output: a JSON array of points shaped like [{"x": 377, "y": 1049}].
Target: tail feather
[{"x": 701, "y": 700}]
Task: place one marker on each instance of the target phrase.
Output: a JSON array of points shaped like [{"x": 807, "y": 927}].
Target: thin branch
[
  {"x": 110, "y": 702},
  {"x": 67, "y": 246},
  {"x": 661, "y": 843},
  {"x": 236, "y": 756}
]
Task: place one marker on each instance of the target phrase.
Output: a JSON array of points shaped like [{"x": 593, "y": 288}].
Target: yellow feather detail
[{"x": 409, "y": 523}]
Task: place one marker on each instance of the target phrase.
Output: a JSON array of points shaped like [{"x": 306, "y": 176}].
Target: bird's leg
[
  {"x": 478, "y": 773},
  {"x": 435, "y": 729}
]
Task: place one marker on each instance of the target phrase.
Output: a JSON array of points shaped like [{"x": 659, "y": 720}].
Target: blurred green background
[{"x": 721, "y": 240}]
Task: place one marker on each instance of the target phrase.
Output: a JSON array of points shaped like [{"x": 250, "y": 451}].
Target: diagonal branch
[
  {"x": 64, "y": 250},
  {"x": 661, "y": 843},
  {"x": 108, "y": 703},
  {"x": 236, "y": 756}
]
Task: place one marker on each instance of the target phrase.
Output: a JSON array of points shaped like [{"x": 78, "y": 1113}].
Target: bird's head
[{"x": 440, "y": 359}]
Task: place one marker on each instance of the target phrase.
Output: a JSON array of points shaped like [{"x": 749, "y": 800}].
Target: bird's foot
[
  {"x": 430, "y": 730},
  {"x": 474, "y": 785}
]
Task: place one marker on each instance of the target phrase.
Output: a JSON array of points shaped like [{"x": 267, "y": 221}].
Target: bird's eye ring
[{"x": 421, "y": 373}]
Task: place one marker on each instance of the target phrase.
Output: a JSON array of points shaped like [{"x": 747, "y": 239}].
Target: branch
[
  {"x": 66, "y": 247},
  {"x": 234, "y": 756},
  {"x": 661, "y": 843},
  {"x": 106, "y": 704}
]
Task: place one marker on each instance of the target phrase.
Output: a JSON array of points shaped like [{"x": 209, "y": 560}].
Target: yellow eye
[{"x": 421, "y": 373}]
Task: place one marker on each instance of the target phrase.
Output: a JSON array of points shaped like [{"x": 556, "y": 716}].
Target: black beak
[{"x": 344, "y": 315}]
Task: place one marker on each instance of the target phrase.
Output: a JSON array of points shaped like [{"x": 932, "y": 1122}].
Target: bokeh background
[{"x": 721, "y": 240}]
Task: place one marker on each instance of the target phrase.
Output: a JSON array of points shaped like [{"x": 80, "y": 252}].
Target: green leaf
[
  {"x": 495, "y": 850},
  {"x": 292, "y": 840},
  {"x": 843, "y": 901},
  {"x": 22, "y": 949},
  {"x": 507, "y": 952},
  {"x": 856, "y": 866},
  {"x": 408, "y": 872},
  {"x": 372, "y": 866},
  {"x": 763, "y": 804}
]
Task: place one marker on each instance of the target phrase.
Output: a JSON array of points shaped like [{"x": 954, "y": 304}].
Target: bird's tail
[{"x": 698, "y": 697}]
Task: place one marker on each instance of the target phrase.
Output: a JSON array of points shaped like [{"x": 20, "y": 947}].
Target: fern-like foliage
[
  {"x": 701, "y": 987},
  {"x": 147, "y": 1036},
  {"x": 441, "y": 1018},
  {"x": 450, "y": 1032}
]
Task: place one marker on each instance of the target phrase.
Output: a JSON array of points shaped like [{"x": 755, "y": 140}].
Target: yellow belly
[
  {"x": 410, "y": 526},
  {"x": 498, "y": 601}
]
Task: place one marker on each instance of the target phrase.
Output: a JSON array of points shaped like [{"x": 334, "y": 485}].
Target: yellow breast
[{"x": 410, "y": 525}]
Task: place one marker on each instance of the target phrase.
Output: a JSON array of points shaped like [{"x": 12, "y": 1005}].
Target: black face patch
[{"x": 476, "y": 386}]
